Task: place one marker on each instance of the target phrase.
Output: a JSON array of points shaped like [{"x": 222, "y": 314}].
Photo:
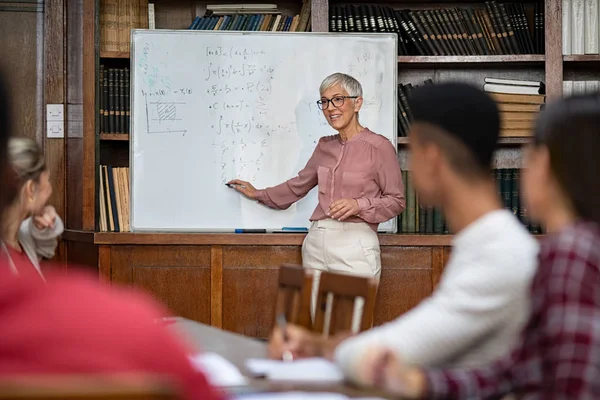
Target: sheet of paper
[
  {"x": 218, "y": 370},
  {"x": 292, "y": 396},
  {"x": 298, "y": 396},
  {"x": 305, "y": 370}
]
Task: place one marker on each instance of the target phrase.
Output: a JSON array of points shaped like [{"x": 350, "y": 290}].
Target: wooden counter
[{"x": 229, "y": 280}]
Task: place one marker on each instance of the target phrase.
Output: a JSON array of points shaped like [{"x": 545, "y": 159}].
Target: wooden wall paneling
[
  {"x": 90, "y": 60},
  {"x": 177, "y": 276},
  {"x": 319, "y": 14},
  {"x": 74, "y": 115},
  {"x": 104, "y": 264},
  {"x": 21, "y": 60},
  {"x": 250, "y": 286},
  {"x": 82, "y": 254},
  {"x": 54, "y": 90},
  {"x": 405, "y": 280},
  {"x": 554, "y": 56},
  {"x": 437, "y": 265},
  {"x": 216, "y": 286}
]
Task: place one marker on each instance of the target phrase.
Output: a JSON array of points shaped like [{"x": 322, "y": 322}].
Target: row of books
[
  {"x": 404, "y": 113},
  {"x": 114, "y": 111},
  {"x": 114, "y": 199},
  {"x": 520, "y": 102},
  {"x": 571, "y": 88},
  {"x": 497, "y": 29},
  {"x": 518, "y": 111},
  {"x": 418, "y": 219},
  {"x": 580, "y": 26},
  {"x": 117, "y": 19},
  {"x": 247, "y": 18}
]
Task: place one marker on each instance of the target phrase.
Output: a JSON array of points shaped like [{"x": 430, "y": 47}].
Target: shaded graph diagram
[{"x": 163, "y": 117}]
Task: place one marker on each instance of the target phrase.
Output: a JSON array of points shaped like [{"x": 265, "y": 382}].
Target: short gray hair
[{"x": 348, "y": 83}]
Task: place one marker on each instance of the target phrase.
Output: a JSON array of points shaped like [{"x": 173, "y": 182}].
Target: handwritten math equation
[
  {"x": 249, "y": 126},
  {"x": 231, "y": 71},
  {"x": 239, "y": 89},
  {"x": 234, "y": 52}
]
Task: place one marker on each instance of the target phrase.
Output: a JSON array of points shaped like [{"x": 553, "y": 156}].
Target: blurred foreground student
[
  {"x": 558, "y": 353},
  {"x": 481, "y": 302},
  {"x": 73, "y": 325}
]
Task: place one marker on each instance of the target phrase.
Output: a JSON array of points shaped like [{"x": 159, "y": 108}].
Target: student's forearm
[{"x": 327, "y": 346}]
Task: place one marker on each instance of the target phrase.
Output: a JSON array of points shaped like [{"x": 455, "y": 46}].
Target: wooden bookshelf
[
  {"x": 114, "y": 136},
  {"x": 507, "y": 60},
  {"x": 225, "y": 279},
  {"x": 114, "y": 54},
  {"x": 582, "y": 58},
  {"x": 403, "y": 141}
]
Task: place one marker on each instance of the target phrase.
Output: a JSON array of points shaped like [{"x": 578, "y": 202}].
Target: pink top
[{"x": 364, "y": 168}]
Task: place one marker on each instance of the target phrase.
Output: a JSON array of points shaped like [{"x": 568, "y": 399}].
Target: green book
[
  {"x": 515, "y": 201},
  {"x": 405, "y": 211},
  {"x": 411, "y": 205}
]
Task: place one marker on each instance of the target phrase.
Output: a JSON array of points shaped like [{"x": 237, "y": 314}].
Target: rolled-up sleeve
[{"x": 389, "y": 177}]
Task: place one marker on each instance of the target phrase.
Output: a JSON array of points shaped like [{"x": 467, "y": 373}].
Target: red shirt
[
  {"x": 20, "y": 260},
  {"x": 73, "y": 324},
  {"x": 558, "y": 354}
]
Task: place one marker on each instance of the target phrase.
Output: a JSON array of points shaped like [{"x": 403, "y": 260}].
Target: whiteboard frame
[{"x": 161, "y": 32}]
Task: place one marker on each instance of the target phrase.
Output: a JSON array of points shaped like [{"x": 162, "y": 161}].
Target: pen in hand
[{"x": 281, "y": 322}]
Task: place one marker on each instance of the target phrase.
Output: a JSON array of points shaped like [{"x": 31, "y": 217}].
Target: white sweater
[
  {"x": 478, "y": 308},
  {"x": 38, "y": 243}
]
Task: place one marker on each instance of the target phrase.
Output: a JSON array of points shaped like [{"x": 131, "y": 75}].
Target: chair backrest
[
  {"x": 85, "y": 387},
  {"x": 293, "y": 294},
  {"x": 344, "y": 290}
]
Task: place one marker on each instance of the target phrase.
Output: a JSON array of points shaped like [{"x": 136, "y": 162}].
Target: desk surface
[{"x": 237, "y": 349}]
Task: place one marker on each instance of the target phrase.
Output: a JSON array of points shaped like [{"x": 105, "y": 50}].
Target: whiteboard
[{"x": 210, "y": 107}]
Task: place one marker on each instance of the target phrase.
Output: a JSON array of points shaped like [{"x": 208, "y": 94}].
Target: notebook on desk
[{"x": 304, "y": 370}]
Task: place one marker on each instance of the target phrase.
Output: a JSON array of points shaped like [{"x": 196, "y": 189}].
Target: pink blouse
[{"x": 364, "y": 168}]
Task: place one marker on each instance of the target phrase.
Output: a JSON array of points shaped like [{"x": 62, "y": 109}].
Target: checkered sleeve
[{"x": 570, "y": 353}]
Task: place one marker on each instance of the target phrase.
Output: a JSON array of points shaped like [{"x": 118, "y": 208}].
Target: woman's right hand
[{"x": 243, "y": 187}]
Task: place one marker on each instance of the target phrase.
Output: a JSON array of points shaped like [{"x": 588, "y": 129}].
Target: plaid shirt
[{"x": 558, "y": 354}]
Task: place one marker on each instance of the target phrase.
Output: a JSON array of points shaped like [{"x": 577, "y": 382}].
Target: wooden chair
[
  {"x": 344, "y": 289},
  {"x": 86, "y": 387},
  {"x": 293, "y": 295}
]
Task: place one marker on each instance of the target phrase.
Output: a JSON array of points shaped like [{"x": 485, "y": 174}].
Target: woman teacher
[{"x": 359, "y": 181}]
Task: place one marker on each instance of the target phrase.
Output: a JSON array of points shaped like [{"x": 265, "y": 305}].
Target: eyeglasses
[{"x": 337, "y": 101}]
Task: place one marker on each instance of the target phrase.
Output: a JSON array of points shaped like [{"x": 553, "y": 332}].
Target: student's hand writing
[
  {"x": 343, "y": 209},
  {"x": 300, "y": 342},
  {"x": 45, "y": 218},
  {"x": 382, "y": 368},
  {"x": 243, "y": 187}
]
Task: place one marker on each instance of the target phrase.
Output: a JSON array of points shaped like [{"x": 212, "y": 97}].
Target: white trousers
[{"x": 348, "y": 247}]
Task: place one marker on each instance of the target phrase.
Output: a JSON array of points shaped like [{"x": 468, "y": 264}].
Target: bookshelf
[
  {"x": 224, "y": 279},
  {"x": 547, "y": 67}
]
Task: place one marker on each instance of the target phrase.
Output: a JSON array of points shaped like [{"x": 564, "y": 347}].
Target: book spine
[
  {"x": 111, "y": 101},
  {"x": 405, "y": 211},
  {"x": 102, "y": 128},
  {"x": 127, "y": 101},
  {"x": 566, "y": 26},
  {"x": 577, "y": 27},
  {"x": 591, "y": 27},
  {"x": 410, "y": 205}
]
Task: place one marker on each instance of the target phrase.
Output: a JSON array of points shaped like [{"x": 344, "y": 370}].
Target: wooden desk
[{"x": 237, "y": 349}]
